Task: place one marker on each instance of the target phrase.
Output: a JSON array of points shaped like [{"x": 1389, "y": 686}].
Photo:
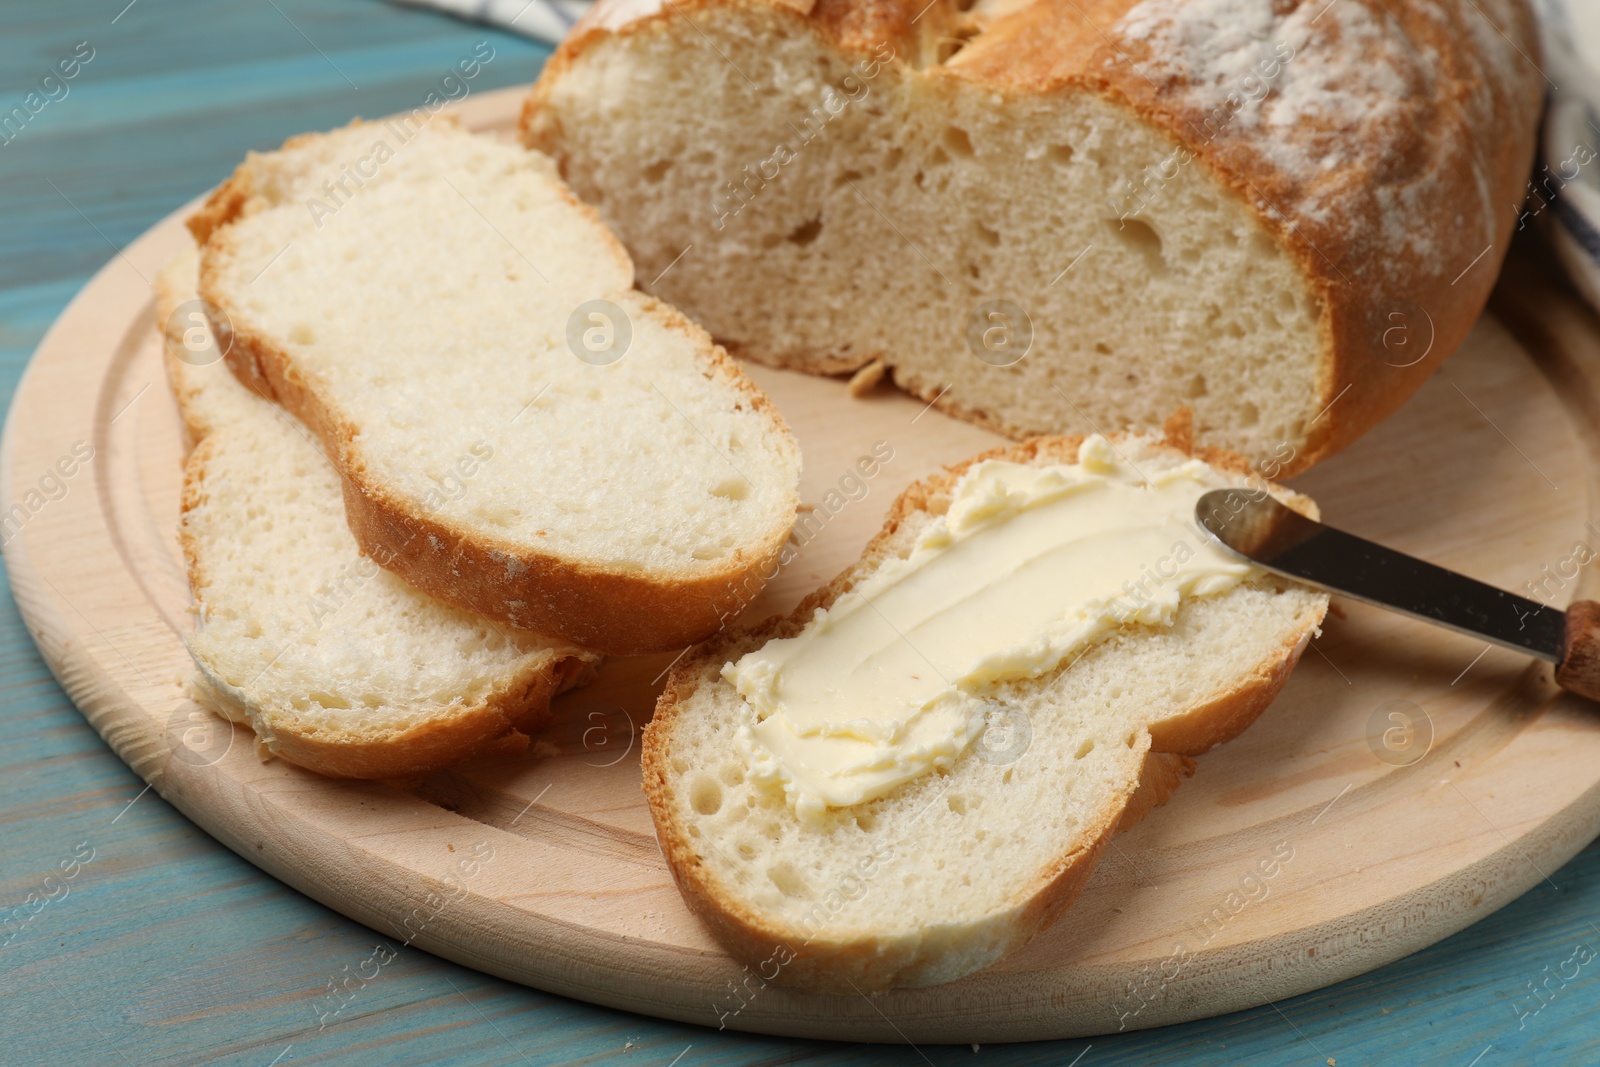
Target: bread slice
[
  {"x": 949, "y": 871},
  {"x": 336, "y": 665},
  {"x": 519, "y": 431},
  {"x": 1047, "y": 216}
]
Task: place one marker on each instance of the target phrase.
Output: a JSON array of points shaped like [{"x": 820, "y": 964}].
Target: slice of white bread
[
  {"x": 950, "y": 871},
  {"x": 1280, "y": 214},
  {"x": 420, "y": 298},
  {"x": 336, "y": 665}
]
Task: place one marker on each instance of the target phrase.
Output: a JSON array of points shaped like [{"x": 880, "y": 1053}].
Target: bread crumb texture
[{"x": 1242, "y": 207}]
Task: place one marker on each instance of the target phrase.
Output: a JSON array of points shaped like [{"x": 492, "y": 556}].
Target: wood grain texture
[{"x": 171, "y": 949}]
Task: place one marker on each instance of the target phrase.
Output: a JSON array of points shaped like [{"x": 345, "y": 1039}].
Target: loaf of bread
[
  {"x": 336, "y": 664},
  {"x": 1052, "y": 216},
  {"x": 948, "y": 871},
  {"x": 518, "y": 431}
]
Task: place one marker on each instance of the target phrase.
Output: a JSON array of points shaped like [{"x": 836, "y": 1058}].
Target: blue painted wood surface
[{"x": 168, "y": 948}]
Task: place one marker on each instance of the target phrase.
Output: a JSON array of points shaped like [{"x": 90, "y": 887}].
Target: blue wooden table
[{"x": 168, "y": 948}]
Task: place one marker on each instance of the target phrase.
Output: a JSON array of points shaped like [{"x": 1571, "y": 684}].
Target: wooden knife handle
[{"x": 1579, "y": 670}]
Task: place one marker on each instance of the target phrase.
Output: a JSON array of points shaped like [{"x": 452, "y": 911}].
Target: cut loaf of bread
[
  {"x": 518, "y": 430},
  {"x": 336, "y": 665},
  {"x": 950, "y": 871},
  {"x": 1280, "y": 214}
]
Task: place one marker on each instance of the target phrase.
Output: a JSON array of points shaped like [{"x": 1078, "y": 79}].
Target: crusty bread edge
[
  {"x": 943, "y": 955},
  {"x": 613, "y": 610},
  {"x": 500, "y": 723}
]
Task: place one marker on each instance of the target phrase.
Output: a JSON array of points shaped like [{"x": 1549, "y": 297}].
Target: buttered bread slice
[
  {"x": 915, "y": 772},
  {"x": 336, "y": 664},
  {"x": 518, "y": 431}
]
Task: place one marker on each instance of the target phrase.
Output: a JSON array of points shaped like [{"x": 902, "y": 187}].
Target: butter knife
[{"x": 1276, "y": 538}]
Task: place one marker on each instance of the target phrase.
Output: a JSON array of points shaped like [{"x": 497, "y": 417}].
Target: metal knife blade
[{"x": 1253, "y": 524}]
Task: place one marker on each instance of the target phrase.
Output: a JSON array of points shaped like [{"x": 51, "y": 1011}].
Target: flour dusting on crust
[{"x": 1309, "y": 87}]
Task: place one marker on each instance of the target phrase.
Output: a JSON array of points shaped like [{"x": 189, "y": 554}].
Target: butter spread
[{"x": 1029, "y": 567}]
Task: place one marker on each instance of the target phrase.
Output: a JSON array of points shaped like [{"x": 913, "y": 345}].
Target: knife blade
[{"x": 1254, "y": 524}]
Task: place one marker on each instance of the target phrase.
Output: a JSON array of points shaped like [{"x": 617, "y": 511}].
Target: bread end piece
[{"x": 289, "y": 631}]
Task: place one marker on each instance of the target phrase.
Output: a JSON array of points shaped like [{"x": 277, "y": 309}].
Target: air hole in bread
[
  {"x": 1142, "y": 239},
  {"x": 958, "y": 141},
  {"x": 1133, "y": 739},
  {"x": 1249, "y": 414},
  {"x": 807, "y": 231},
  {"x": 938, "y": 157},
  {"x": 788, "y": 880},
  {"x": 1102, "y": 348},
  {"x": 990, "y": 237},
  {"x": 732, "y": 489},
  {"x": 1084, "y": 749},
  {"x": 657, "y": 170},
  {"x": 301, "y": 333},
  {"x": 1197, "y": 387},
  {"x": 957, "y": 804},
  {"x": 1062, "y": 154},
  {"x": 705, "y": 795},
  {"x": 895, "y": 157}
]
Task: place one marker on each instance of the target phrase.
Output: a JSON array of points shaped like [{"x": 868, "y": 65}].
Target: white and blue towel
[
  {"x": 1564, "y": 190},
  {"x": 543, "y": 20}
]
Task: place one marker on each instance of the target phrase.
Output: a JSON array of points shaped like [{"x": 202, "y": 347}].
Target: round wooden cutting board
[{"x": 1405, "y": 784}]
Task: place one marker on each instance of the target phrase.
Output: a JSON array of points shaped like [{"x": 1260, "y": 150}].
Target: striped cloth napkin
[
  {"x": 1563, "y": 193},
  {"x": 543, "y": 20}
]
